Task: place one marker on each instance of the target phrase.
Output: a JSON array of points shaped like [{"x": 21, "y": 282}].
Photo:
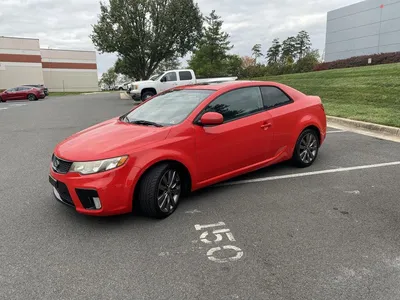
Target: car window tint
[
  {"x": 274, "y": 97},
  {"x": 238, "y": 103},
  {"x": 171, "y": 76},
  {"x": 185, "y": 75}
]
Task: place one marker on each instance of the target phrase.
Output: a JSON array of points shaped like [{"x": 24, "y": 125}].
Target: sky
[{"x": 61, "y": 24}]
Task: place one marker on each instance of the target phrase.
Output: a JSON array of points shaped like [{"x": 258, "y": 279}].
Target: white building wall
[
  {"x": 20, "y": 62},
  {"x": 70, "y": 71},
  {"x": 365, "y": 28}
]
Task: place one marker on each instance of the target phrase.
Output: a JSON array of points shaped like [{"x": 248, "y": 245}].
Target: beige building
[{"x": 22, "y": 61}]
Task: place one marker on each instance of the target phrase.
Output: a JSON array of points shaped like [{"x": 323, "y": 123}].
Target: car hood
[
  {"x": 108, "y": 139},
  {"x": 147, "y": 82}
]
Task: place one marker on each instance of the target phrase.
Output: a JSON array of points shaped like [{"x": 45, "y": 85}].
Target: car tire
[
  {"x": 147, "y": 95},
  {"x": 2, "y": 100},
  {"x": 306, "y": 150},
  {"x": 32, "y": 97},
  {"x": 160, "y": 190}
]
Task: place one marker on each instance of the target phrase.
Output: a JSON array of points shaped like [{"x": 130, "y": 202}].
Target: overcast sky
[{"x": 67, "y": 24}]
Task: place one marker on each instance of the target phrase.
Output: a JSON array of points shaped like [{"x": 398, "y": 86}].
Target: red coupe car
[
  {"x": 21, "y": 93},
  {"x": 182, "y": 140}
]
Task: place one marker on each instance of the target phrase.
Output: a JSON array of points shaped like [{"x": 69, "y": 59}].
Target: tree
[
  {"x": 303, "y": 43},
  {"x": 289, "y": 49},
  {"x": 145, "y": 33},
  {"x": 308, "y": 62},
  {"x": 109, "y": 78},
  {"x": 256, "y": 50},
  {"x": 210, "y": 55},
  {"x": 168, "y": 64},
  {"x": 274, "y": 52},
  {"x": 247, "y": 61},
  {"x": 234, "y": 65}
]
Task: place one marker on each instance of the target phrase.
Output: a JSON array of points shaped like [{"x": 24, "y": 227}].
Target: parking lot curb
[{"x": 372, "y": 127}]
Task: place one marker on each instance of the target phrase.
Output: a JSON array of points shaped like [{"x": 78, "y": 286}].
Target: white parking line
[{"x": 395, "y": 163}]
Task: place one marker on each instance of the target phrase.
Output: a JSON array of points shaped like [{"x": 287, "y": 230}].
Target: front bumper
[
  {"x": 113, "y": 190},
  {"x": 135, "y": 94}
]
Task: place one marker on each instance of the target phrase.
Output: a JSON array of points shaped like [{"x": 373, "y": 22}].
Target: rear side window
[
  {"x": 237, "y": 104},
  {"x": 274, "y": 97},
  {"x": 185, "y": 75}
]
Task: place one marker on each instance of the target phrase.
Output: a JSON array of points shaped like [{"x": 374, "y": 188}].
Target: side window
[
  {"x": 171, "y": 76},
  {"x": 237, "y": 104},
  {"x": 185, "y": 75},
  {"x": 11, "y": 90},
  {"x": 274, "y": 97}
]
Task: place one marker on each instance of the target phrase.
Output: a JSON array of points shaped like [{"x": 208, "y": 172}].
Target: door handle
[{"x": 266, "y": 125}]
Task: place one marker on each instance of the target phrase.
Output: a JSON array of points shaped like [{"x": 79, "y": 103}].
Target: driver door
[
  {"x": 244, "y": 139},
  {"x": 168, "y": 81},
  {"x": 10, "y": 94}
]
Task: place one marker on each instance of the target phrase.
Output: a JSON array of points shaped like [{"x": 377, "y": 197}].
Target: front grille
[
  {"x": 60, "y": 165},
  {"x": 64, "y": 193}
]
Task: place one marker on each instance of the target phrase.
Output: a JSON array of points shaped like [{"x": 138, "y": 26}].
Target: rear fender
[{"x": 306, "y": 121}]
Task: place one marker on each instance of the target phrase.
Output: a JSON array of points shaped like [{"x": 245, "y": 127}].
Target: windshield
[
  {"x": 155, "y": 77},
  {"x": 168, "y": 109}
]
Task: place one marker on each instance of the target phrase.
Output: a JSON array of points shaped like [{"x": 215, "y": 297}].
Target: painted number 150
[{"x": 216, "y": 237}]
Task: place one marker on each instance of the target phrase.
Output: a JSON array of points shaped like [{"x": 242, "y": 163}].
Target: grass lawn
[{"x": 370, "y": 94}]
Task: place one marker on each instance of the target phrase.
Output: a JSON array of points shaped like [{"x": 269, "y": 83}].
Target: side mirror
[
  {"x": 164, "y": 79},
  {"x": 211, "y": 118}
]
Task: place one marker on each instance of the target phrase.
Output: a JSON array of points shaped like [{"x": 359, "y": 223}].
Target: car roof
[{"x": 235, "y": 84}]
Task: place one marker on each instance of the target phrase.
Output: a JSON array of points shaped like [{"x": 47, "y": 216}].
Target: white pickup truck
[{"x": 141, "y": 90}]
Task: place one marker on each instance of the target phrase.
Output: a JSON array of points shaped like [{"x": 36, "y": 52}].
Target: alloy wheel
[
  {"x": 308, "y": 148},
  {"x": 169, "y": 191}
]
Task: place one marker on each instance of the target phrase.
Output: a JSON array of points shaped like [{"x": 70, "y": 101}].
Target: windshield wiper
[{"x": 146, "y": 123}]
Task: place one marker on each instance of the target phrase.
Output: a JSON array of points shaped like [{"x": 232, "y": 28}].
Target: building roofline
[
  {"x": 72, "y": 50},
  {"x": 19, "y": 38}
]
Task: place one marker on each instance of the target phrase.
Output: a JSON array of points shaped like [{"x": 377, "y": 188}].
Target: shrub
[{"x": 359, "y": 61}]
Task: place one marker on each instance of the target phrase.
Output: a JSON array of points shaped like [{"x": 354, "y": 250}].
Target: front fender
[{"x": 146, "y": 161}]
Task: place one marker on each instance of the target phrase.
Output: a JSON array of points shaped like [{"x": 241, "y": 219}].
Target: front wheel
[
  {"x": 159, "y": 191},
  {"x": 306, "y": 150},
  {"x": 147, "y": 95},
  {"x": 32, "y": 97},
  {"x": 2, "y": 100}
]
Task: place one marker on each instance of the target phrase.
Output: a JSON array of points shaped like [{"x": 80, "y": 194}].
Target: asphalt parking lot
[{"x": 327, "y": 232}]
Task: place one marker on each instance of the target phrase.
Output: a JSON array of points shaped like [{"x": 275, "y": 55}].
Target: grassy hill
[{"x": 370, "y": 94}]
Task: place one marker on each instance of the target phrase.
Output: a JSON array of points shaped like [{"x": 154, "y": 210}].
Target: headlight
[
  {"x": 135, "y": 87},
  {"x": 91, "y": 167}
]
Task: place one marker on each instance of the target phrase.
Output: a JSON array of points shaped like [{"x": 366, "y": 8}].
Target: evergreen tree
[
  {"x": 257, "y": 51},
  {"x": 274, "y": 52},
  {"x": 210, "y": 56},
  {"x": 303, "y": 44}
]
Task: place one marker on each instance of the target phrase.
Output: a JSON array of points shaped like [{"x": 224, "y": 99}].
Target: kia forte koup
[{"x": 184, "y": 139}]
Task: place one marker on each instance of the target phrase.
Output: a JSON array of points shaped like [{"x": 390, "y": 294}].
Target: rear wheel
[
  {"x": 32, "y": 97},
  {"x": 307, "y": 147},
  {"x": 160, "y": 191},
  {"x": 147, "y": 95}
]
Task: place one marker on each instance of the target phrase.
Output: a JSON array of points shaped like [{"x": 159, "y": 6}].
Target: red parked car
[
  {"x": 21, "y": 93},
  {"x": 182, "y": 140}
]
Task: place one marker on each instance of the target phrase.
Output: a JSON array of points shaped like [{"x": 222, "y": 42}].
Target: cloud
[{"x": 67, "y": 24}]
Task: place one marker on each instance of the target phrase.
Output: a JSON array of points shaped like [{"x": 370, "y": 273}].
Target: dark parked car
[
  {"x": 21, "y": 93},
  {"x": 39, "y": 86}
]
